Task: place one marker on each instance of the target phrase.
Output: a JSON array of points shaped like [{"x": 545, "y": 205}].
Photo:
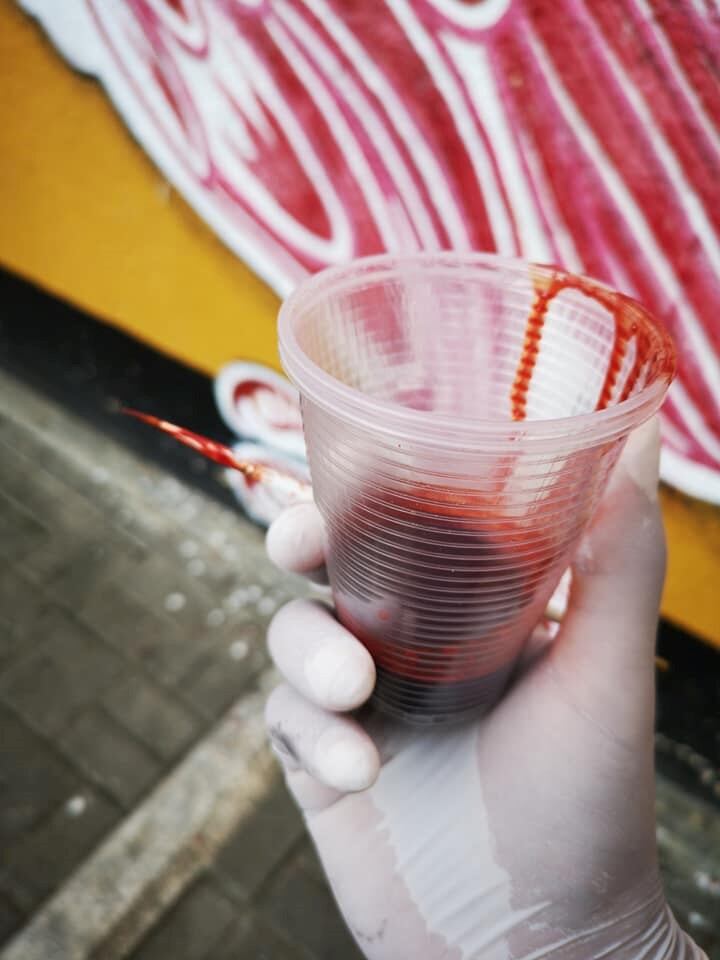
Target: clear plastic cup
[{"x": 462, "y": 414}]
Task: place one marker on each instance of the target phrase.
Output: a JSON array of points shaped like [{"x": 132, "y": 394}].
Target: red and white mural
[{"x": 575, "y": 132}]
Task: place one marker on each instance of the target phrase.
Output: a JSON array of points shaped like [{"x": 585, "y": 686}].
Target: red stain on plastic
[
  {"x": 630, "y": 324},
  {"x": 460, "y": 570}
]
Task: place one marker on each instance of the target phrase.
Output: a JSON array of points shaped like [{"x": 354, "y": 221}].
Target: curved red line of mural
[{"x": 307, "y": 132}]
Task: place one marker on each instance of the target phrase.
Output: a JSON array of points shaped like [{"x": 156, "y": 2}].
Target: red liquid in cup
[
  {"x": 444, "y": 587},
  {"x": 440, "y": 595}
]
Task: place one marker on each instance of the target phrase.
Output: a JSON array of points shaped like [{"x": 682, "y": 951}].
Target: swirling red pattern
[{"x": 579, "y": 133}]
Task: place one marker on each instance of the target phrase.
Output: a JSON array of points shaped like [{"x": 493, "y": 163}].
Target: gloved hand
[{"x": 528, "y": 834}]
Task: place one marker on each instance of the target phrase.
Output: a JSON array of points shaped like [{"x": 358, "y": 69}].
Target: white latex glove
[{"x": 528, "y": 834}]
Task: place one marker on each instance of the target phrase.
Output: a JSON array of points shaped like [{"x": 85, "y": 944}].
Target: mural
[
  {"x": 307, "y": 132},
  {"x": 263, "y": 409}
]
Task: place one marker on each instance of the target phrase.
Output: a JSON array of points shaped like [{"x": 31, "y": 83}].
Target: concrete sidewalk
[
  {"x": 132, "y": 619},
  {"x": 142, "y": 815}
]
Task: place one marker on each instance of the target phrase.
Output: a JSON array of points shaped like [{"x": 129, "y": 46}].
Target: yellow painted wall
[
  {"x": 692, "y": 588},
  {"x": 84, "y": 213}
]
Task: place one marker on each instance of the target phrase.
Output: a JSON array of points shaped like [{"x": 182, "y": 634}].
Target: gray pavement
[
  {"x": 132, "y": 616},
  {"x": 142, "y": 815},
  {"x": 263, "y": 897}
]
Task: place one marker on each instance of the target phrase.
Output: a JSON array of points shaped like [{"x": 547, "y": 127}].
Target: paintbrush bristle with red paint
[
  {"x": 211, "y": 449},
  {"x": 278, "y": 488}
]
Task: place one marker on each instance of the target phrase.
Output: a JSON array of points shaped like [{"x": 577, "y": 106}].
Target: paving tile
[
  {"x": 32, "y": 867},
  {"x": 34, "y": 779},
  {"x": 98, "y": 559},
  {"x": 106, "y": 485},
  {"x": 35, "y": 446},
  {"x": 107, "y": 754},
  {"x": 20, "y": 531},
  {"x": 149, "y": 637},
  {"x": 252, "y": 938},
  {"x": 23, "y": 606},
  {"x": 10, "y": 641},
  {"x": 48, "y": 495},
  {"x": 157, "y": 579},
  {"x": 215, "y": 679},
  {"x": 309, "y": 861},
  {"x": 192, "y": 927},
  {"x": 65, "y": 669},
  {"x": 58, "y": 553},
  {"x": 261, "y": 842},
  {"x": 43, "y": 500},
  {"x": 306, "y": 912},
  {"x": 157, "y": 718},
  {"x": 11, "y": 919},
  {"x": 17, "y": 591}
]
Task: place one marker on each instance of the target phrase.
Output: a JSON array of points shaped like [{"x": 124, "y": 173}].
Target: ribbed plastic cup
[{"x": 462, "y": 414}]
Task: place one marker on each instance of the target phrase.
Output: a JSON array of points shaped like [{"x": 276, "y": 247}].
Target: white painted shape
[
  {"x": 287, "y": 483},
  {"x": 343, "y": 135},
  {"x": 277, "y": 267},
  {"x": 700, "y": 8},
  {"x": 561, "y": 235},
  {"x": 190, "y": 30},
  {"x": 473, "y": 16},
  {"x": 474, "y": 65},
  {"x": 72, "y": 31},
  {"x": 232, "y": 71},
  {"x": 687, "y": 409},
  {"x": 376, "y": 131},
  {"x": 464, "y": 124},
  {"x": 693, "y": 479},
  {"x": 375, "y": 80},
  {"x": 251, "y": 421},
  {"x": 339, "y": 245},
  {"x": 128, "y": 39}
]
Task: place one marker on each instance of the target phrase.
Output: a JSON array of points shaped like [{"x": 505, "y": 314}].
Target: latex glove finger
[
  {"x": 296, "y": 542},
  {"x": 319, "y": 657},
  {"x": 620, "y": 567},
  {"x": 606, "y": 642},
  {"x": 332, "y": 748},
  {"x": 625, "y": 546},
  {"x": 538, "y": 644}
]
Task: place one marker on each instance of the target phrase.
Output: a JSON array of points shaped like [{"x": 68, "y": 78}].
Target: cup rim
[{"x": 386, "y": 417}]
